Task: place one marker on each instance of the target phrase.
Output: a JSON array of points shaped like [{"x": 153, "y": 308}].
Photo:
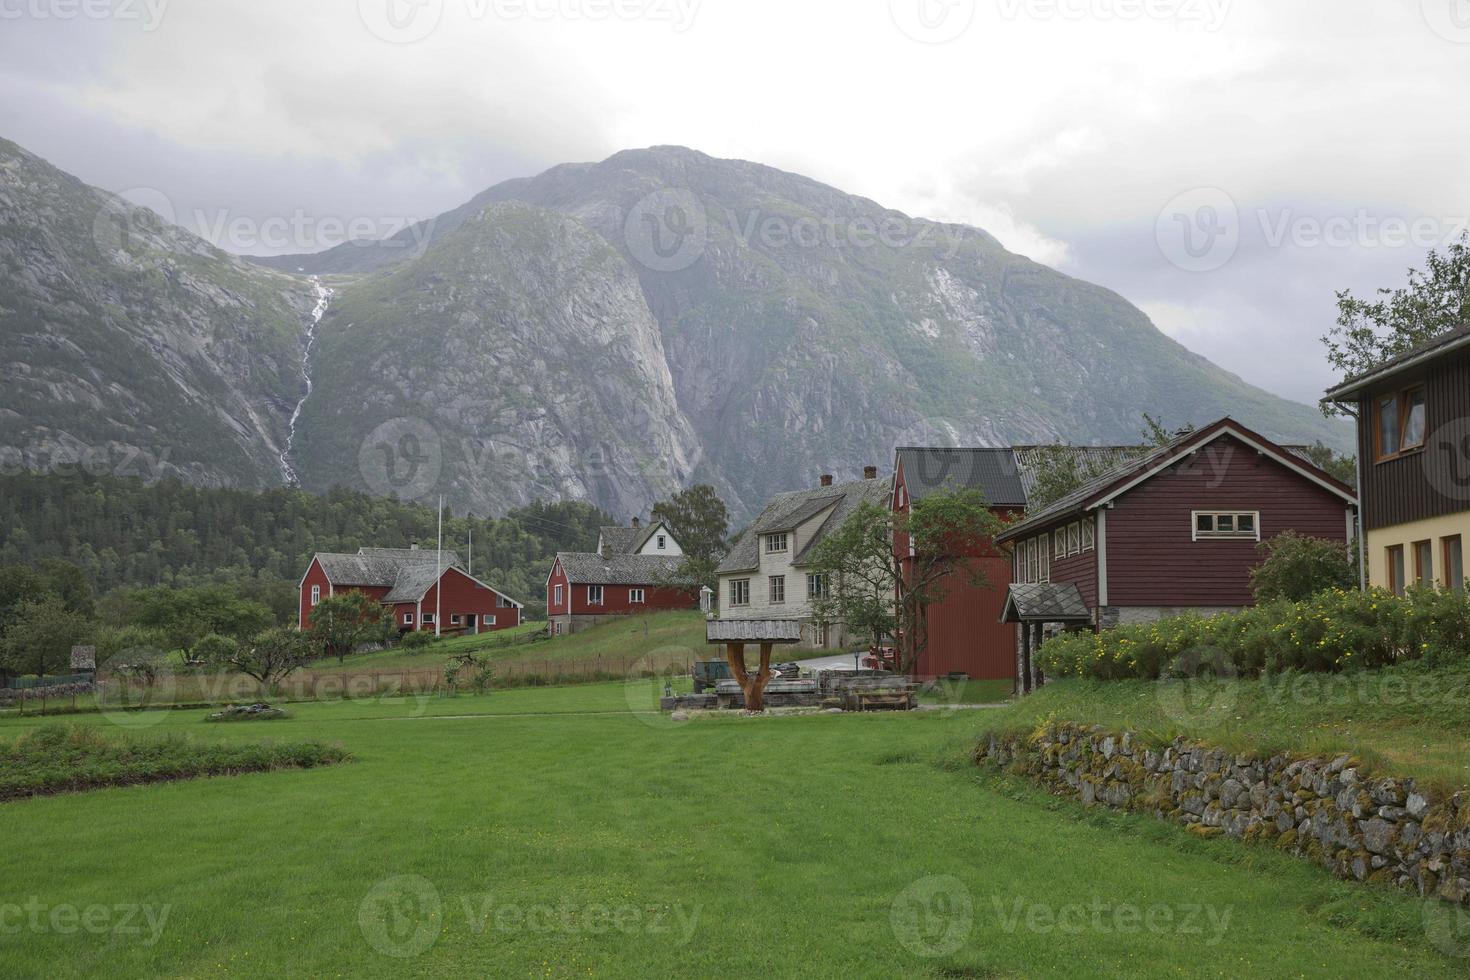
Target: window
[
  {"x": 1074, "y": 539},
  {"x": 506, "y": 603},
  {"x": 316, "y": 594},
  {"x": 816, "y": 587},
  {"x": 775, "y": 543},
  {"x": 456, "y": 619},
  {"x": 1423, "y": 563},
  {"x": 777, "y": 585},
  {"x": 663, "y": 542},
  {"x": 408, "y": 619},
  {"x": 594, "y": 595},
  {"x": 1043, "y": 555},
  {"x": 428, "y": 619},
  {"x": 635, "y": 596},
  {"x": 487, "y": 620},
  {"x": 557, "y": 593},
  {"x": 1227, "y": 524},
  {"x": 1401, "y": 421},
  {"x": 1454, "y": 564},
  {"x": 1089, "y": 535},
  {"x": 1395, "y": 556},
  {"x": 1059, "y": 543},
  {"x": 740, "y": 592}
]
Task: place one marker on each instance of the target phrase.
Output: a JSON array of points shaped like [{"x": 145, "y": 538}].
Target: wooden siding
[
  {"x": 466, "y": 597},
  {"x": 1080, "y": 570},
  {"x": 558, "y": 577},
  {"x": 1152, "y": 557},
  {"x": 1431, "y": 482}
]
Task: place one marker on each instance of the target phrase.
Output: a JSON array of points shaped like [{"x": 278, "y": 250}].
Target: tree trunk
[{"x": 754, "y": 687}]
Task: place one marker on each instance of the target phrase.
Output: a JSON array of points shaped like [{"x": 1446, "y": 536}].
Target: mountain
[
  {"x": 808, "y": 330},
  {"x": 604, "y": 332},
  {"x": 133, "y": 347}
]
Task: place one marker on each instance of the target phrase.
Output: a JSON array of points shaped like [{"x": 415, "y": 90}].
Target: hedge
[{"x": 1335, "y": 630}]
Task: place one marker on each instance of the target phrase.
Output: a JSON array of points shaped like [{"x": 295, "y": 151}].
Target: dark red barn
[{"x": 408, "y": 581}]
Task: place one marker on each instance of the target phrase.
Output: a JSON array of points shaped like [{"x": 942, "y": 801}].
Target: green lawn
[{"x": 572, "y": 832}]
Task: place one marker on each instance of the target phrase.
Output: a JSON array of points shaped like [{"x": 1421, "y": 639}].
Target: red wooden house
[
  {"x": 633, "y": 571},
  {"x": 1173, "y": 531},
  {"x": 409, "y": 581}
]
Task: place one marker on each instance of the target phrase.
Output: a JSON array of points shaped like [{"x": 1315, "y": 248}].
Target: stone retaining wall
[
  {"x": 1370, "y": 829},
  {"x": 56, "y": 692}
]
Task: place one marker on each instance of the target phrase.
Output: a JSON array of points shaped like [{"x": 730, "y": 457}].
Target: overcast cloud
[{"x": 1224, "y": 165}]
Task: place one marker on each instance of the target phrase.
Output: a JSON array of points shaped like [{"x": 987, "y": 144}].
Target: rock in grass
[{"x": 259, "y": 711}]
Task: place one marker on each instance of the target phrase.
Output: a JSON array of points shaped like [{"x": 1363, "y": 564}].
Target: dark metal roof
[
  {"x": 993, "y": 471},
  {"x": 1446, "y": 342},
  {"x": 1046, "y": 602}
]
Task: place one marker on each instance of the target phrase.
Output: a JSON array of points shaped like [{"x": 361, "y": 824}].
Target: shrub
[
  {"x": 415, "y": 639},
  {"x": 215, "y": 649},
  {"x": 1295, "y": 566},
  {"x": 1334, "y": 630}
]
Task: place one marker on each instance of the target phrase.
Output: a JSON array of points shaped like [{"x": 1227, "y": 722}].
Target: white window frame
[
  {"x": 637, "y": 596},
  {"x": 487, "y": 620},
  {"x": 1232, "y": 535},
  {"x": 427, "y": 619},
  {"x": 557, "y": 593},
  {"x": 1074, "y": 538},
  {"x": 595, "y": 590},
  {"x": 771, "y": 543},
  {"x": 740, "y": 592},
  {"x": 663, "y": 542},
  {"x": 776, "y": 584},
  {"x": 456, "y": 619},
  {"x": 1089, "y": 534},
  {"x": 816, "y": 586},
  {"x": 316, "y": 594},
  {"x": 408, "y": 619},
  {"x": 1059, "y": 542}
]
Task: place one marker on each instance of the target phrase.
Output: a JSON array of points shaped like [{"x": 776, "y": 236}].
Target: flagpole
[{"x": 439, "y": 567}]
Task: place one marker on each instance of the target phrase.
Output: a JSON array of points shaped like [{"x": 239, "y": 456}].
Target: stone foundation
[{"x": 1384, "y": 830}]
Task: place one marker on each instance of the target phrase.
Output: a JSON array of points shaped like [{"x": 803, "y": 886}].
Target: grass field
[{"x": 571, "y": 832}]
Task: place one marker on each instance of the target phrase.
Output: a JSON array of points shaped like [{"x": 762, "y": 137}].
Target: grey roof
[
  {"x": 752, "y": 631},
  {"x": 622, "y": 540},
  {"x": 992, "y": 471},
  {"x": 1089, "y": 459},
  {"x": 411, "y": 554},
  {"x": 359, "y": 569},
  {"x": 1047, "y": 602},
  {"x": 1442, "y": 344},
  {"x": 590, "y": 568},
  {"x": 787, "y": 510},
  {"x": 413, "y": 581}
]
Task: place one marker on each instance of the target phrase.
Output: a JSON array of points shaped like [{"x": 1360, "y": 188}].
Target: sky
[{"x": 1226, "y": 165}]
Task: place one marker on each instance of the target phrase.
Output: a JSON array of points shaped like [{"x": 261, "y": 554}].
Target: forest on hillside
[{"x": 122, "y": 532}]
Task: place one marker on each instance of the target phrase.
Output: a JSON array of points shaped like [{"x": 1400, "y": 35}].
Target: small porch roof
[
  {"x": 1045, "y": 602},
  {"x": 752, "y": 631}
]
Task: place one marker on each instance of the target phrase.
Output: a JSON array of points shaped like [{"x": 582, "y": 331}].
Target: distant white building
[{"x": 768, "y": 573}]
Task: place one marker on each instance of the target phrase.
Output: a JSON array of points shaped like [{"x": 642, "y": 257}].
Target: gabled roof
[
  {"x": 590, "y": 568},
  {"x": 1122, "y": 478},
  {"x": 413, "y": 581},
  {"x": 616, "y": 540},
  {"x": 992, "y": 471},
  {"x": 1047, "y": 602},
  {"x": 787, "y": 511},
  {"x": 377, "y": 567},
  {"x": 410, "y": 554},
  {"x": 1447, "y": 342},
  {"x": 1089, "y": 459}
]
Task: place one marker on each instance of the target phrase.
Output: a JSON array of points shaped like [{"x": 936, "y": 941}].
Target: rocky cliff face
[
  {"x": 515, "y": 360},
  {"x": 131, "y": 346}
]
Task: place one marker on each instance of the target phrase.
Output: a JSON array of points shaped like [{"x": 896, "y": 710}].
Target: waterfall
[{"x": 323, "y": 299}]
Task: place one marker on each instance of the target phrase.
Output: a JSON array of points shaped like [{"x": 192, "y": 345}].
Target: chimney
[
  {"x": 870, "y": 472},
  {"x": 414, "y": 546},
  {"x": 636, "y": 524},
  {"x": 826, "y": 479}
]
